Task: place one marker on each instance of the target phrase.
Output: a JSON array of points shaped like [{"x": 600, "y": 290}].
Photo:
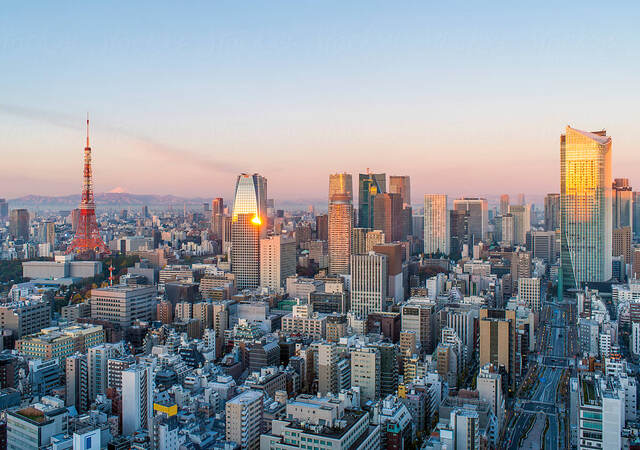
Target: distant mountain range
[
  {"x": 104, "y": 200},
  {"x": 119, "y": 200}
]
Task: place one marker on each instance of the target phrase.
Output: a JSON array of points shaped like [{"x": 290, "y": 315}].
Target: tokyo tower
[{"x": 87, "y": 242}]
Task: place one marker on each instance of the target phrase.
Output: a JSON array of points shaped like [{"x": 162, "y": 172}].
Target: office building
[
  {"x": 497, "y": 340},
  {"x": 328, "y": 369},
  {"x": 416, "y": 316},
  {"x": 340, "y": 183},
  {"x": 217, "y": 217},
  {"x": 436, "y": 224},
  {"x": 395, "y": 283},
  {"x": 248, "y": 226},
  {"x": 622, "y": 204},
  {"x": 55, "y": 342},
  {"x": 458, "y": 230},
  {"x": 77, "y": 382},
  {"x": 542, "y": 245},
  {"x": 585, "y": 207},
  {"x": 387, "y": 215},
  {"x": 27, "y": 316},
  {"x": 365, "y": 372},
  {"x": 19, "y": 224},
  {"x": 552, "y": 212},
  {"x": 137, "y": 399},
  {"x": 4, "y": 209},
  {"x": 244, "y": 419},
  {"x": 504, "y": 204},
  {"x": 369, "y": 185},
  {"x": 401, "y": 185},
  {"x": 340, "y": 226},
  {"x": 324, "y": 423},
  {"x": 122, "y": 304},
  {"x": 521, "y": 222},
  {"x": 322, "y": 227},
  {"x": 277, "y": 260},
  {"x": 529, "y": 293},
  {"x": 369, "y": 281},
  {"x": 33, "y": 427},
  {"x": 489, "y": 384},
  {"x": 622, "y": 244},
  {"x": 478, "y": 221},
  {"x": 636, "y": 214},
  {"x": 507, "y": 230},
  {"x": 97, "y": 365}
]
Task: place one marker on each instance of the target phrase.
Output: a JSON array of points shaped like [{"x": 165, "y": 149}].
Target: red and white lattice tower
[{"x": 87, "y": 241}]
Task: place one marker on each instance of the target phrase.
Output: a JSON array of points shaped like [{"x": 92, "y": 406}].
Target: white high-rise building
[
  {"x": 507, "y": 227},
  {"x": 368, "y": 283},
  {"x": 365, "y": 372},
  {"x": 436, "y": 224},
  {"x": 489, "y": 385},
  {"x": 529, "y": 292},
  {"x": 244, "y": 419},
  {"x": 277, "y": 260},
  {"x": 137, "y": 398},
  {"x": 521, "y": 222},
  {"x": 97, "y": 365}
]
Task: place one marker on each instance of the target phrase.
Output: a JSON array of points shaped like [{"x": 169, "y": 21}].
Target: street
[{"x": 541, "y": 398}]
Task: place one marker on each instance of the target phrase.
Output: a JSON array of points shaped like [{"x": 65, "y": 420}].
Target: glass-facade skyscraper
[
  {"x": 369, "y": 185},
  {"x": 585, "y": 207},
  {"x": 248, "y": 226}
]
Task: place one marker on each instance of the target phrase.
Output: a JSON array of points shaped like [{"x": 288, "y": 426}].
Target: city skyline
[{"x": 218, "y": 92}]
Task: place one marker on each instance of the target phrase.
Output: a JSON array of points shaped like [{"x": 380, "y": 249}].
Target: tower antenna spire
[{"x": 87, "y": 130}]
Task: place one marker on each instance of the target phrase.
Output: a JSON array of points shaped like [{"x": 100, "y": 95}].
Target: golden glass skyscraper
[
  {"x": 249, "y": 224},
  {"x": 585, "y": 207}
]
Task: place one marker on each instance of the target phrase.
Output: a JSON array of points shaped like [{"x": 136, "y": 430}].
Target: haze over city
[{"x": 183, "y": 99}]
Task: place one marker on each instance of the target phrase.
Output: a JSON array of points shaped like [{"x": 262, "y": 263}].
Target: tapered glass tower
[
  {"x": 248, "y": 226},
  {"x": 585, "y": 207}
]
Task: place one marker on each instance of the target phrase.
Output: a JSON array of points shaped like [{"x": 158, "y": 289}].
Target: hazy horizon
[{"x": 463, "y": 98}]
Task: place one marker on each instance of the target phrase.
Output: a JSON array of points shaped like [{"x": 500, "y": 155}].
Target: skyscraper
[
  {"x": 217, "y": 215},
  {"x": 622, "y": 203},
  {"x": 504, "y": 204},
  {"x": 400, "y": 184},
  {"x": 248, "y": 226},
  {"x": 387, "y": 215},
  {"x": 497, "y": 339},
  {"x": 478, "y": 216},
  {"x": 552, "y": 212},
  {"x": 521, "y": 222},
  {"x": 137, "y": 399},
  {"x": 458, "y": 230},
  {"x": 340, "y": 226},
  {"x": 368, "y": 283},
  {"x": 585, "y": 207},
  {"x": 277, "y": 260},
  {"x": 436, "y": 224},
  {"x": 19, "y": 224},
  {"x": 340, "y": 183},
  {"x": 4, "y": 208},
  {"x": 369, "y": 185},
  {"x": 636, "y": 214}
]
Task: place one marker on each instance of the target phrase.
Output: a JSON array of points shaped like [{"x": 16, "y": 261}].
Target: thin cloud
[{"x": 149, "y": 145}]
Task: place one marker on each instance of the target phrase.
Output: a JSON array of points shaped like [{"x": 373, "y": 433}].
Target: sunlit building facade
[
  {"x": 340, "y": 229},
  {"x": 248, "y": 226},
  {"x": 436, "y": 224},
  {"x": 585, "y": 207}
]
